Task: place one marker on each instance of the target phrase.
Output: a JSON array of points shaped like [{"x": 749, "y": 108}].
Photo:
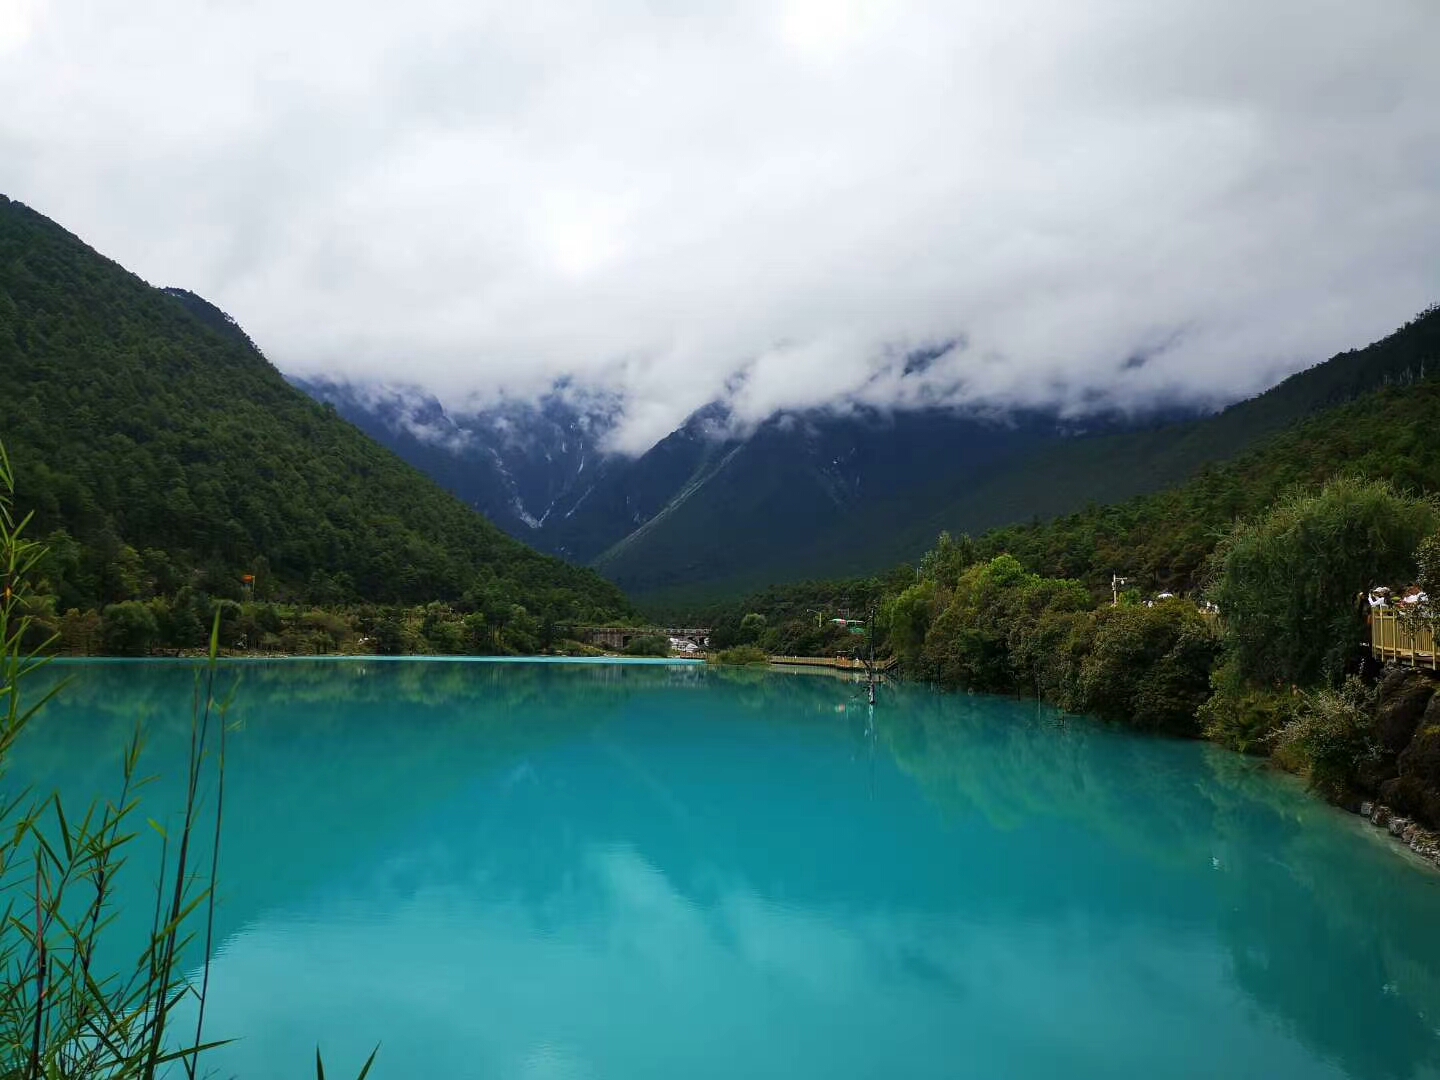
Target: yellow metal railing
[{"x": 1391, "y": 639}]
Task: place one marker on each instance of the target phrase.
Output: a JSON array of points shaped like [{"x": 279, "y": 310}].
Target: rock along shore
[{"x": 1424, "y": 842}]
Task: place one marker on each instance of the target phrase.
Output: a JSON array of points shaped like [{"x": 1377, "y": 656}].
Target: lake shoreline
[
  {"x": 1404, "y": 832},
  {"x": 257, "y": 658}
]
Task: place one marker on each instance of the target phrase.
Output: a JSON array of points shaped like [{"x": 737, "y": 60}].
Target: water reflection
[
  {"x": 1323, "y": 927},
  {"x": 507, "y": 870}
]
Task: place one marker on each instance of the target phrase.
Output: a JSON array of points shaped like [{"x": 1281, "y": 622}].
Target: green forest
[{"x": 167, "y": 464}]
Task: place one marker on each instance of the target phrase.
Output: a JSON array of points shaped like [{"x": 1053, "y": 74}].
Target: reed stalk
[{"x": 61, "y": 1016}]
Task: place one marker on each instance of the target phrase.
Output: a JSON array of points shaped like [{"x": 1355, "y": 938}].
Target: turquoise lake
[{"x": 547, "y": 871}]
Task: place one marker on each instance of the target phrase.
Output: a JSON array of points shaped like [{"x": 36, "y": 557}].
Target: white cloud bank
[{"x": 778, "y": 198}]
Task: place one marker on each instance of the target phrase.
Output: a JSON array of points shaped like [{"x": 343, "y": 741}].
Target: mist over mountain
[
  {"x": 772, "y": 204},
  {"x": 718, "y": 504},
  {"x": 523, "y": 464},
  {"x": 542, "y": 469}
]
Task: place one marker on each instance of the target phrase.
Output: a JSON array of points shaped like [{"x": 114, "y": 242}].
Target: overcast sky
[{"x": 1112, "y": 200}]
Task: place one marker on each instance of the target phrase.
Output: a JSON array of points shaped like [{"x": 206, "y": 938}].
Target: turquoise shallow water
[{"x": 587, "y": 871}]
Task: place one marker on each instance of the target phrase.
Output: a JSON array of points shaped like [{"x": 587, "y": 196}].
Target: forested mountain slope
[
  {"x": 717, "y": 545},
  {"x": 759, "y": 500},
  {"x": 1162, "y": 540},
  {"x": 795, "y": 497},
  {"x": 1113, "y": 468},
  {"x": 159, "y": 449}
]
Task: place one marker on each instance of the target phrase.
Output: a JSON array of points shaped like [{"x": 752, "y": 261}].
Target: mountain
[
  {"x": 1162, "y": 540},
  {"x": 1114, "y": 467},
  {"x": 758, "y": 519},
  {"x": 521, "y": 464},
  {"x": 159, "y": 450},
  {"x": 708, "y": 511},
  {"x": 786, "y": 500},
  {"x": 766, "y": 498}
]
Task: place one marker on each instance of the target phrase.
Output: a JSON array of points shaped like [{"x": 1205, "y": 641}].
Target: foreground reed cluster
[{"x": 70, "y": 1005}]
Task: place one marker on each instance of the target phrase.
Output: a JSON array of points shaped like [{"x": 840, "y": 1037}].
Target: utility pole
[
  {"x": 871, "y": 669},
  {"x": 870, "y": 664},
  {"x": 1115, "y": 582}
]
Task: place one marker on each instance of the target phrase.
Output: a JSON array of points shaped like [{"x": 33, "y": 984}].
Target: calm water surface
[{"x": 514, "y": 870}]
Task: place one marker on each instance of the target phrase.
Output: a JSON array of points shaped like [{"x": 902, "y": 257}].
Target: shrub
[
  {"x": 1332, "y": 734},
  {"x": 906, "y": 619},
  {"x": 1149, "y": 667},
  {"x": 739, "y": 656},
  {"x": 128, "y": 628},
  {"x": 648, "y": 645},
  {"x": 568, "y": 647},
  {"x": 1287, "y": 583},
  {"x": 1241, "y": 716}
]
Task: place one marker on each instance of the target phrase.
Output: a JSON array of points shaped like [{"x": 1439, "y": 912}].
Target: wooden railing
[
  {"x": 844, "y": 663},
  {"x": 1392, "y": 640}
]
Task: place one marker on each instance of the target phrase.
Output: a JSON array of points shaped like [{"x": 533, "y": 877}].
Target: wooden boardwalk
[
  {"x": 1393, "y": 642},
  {"x": 844, "y": 663}
]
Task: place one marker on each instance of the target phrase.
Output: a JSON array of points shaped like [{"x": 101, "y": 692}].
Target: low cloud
[{"x": 779, "y": 204}]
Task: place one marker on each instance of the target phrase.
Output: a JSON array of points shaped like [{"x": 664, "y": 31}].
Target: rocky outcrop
[
  {"x": 1406, "y": 772},
  {"x": 1415, "y": 791},
  {"x": 1404, "y": 694}
]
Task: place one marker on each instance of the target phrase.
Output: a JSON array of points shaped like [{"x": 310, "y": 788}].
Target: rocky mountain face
[
  {"x": 712, "y": 498},
  {"x": 524, "y": 465}
]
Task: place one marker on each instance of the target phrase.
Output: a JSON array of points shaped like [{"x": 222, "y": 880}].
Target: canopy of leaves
[
  {"x": 648, "y": 645},
  {"x": 1290, "y": 583},
  {"x": 1002, "y": 629}
]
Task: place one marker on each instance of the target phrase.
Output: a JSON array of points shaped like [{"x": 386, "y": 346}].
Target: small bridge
[
  {"x": 1395, "y": 642},
  {"x": 617, "y": 637}
]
